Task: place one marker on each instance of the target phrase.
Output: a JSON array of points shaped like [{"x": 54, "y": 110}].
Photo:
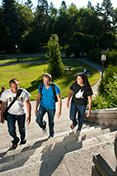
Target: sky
[{"x": 78, "y": 3}]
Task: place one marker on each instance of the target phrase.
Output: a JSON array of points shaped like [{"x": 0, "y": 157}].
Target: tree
[
  {"x": 11, "y": 20},
  {"x": 29, "y": 4},
  {"x": 107, "y": 10},
  {"x": 63, "y": 5},
  {"x": 25, "y": 17},
  {"x": 55, "y": 64},
  {"x": 89, "y": 6}
]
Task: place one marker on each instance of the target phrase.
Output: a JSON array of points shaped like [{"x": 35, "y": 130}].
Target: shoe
[
  {"x": 23, "y": 142},
  {"x": 50, "y": 137},
  {"x": 71, "y": 126},
  {"x": 78, "y": 130},
  {"x": 44, "y": 128},
  {"x": 44, "y": 131},
  {"x": 14, "y": 146}
]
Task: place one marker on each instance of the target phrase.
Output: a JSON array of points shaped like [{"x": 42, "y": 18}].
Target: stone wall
[{"x": 106, "y": 117}]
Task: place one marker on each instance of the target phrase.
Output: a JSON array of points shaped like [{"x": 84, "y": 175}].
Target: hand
[
  {"x": 36, "y": 112},
  {"x": 28, "y": 120},
  {"x": 67, "y": 104},
  {"x": 2, "y": 119},
  {"x": 58, "y": 114},
  {"x": 88, "y": 113}
]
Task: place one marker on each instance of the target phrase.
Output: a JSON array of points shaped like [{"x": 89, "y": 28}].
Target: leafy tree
[
  {"x": 106, "y": 41},
  {"x": 29, "y": 4},
  {"x": 11, "y": 20},
  {"x": 6, "y": 43},
  {"x": 63, "y": 5},
  {"x": 114, "y": 19},
  {"x": 40, "y": 21},
  {"x": 89, "y": 6},
  {"x": 76, "y": 44},
  {"x": 55, "y": 64},
  {"x": 107, "y": 10},
  {"x": 25, "y": 17}
]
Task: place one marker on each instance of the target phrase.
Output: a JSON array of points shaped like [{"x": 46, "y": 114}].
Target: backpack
[{"x": 53, "y": 90}]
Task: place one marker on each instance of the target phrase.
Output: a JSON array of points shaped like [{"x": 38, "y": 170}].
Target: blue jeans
[
  {"x": 81, "y": 111},
  {"x": 11, "y": 121},
  {"x": 41, "y": 112}
]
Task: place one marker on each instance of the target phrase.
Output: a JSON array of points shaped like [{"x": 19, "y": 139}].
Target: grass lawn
[{"x": 30, "y": 76}]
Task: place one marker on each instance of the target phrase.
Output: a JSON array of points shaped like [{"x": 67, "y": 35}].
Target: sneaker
[
  {"x": 72, "y": 126},
  {"x": 50, "y": 137},
  {"x": 44, "y": 131},
  {"x": 23, "y": 142}
]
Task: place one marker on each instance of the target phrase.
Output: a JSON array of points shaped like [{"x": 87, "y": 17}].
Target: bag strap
[
  {"x": 17, "y": 95},
  {"x": 53, "y": 89}
]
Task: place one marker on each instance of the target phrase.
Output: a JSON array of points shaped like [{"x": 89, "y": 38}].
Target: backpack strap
[
  {"x": 41, "y": 88},
  {"x": 53, "y": 90}
]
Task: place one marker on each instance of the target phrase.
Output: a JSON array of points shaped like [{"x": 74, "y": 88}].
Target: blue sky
[{"x": 78, "y": 3}]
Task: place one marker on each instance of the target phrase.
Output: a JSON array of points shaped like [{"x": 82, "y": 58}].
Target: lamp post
[
  {"x": 16, "y": 46},
  {"x": 103, "y": 59}
]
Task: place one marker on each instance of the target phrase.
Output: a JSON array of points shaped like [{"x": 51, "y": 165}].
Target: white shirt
[{"x": 18, "y": 107}]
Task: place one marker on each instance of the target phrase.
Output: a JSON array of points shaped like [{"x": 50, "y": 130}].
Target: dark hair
[
  {"x": 15, "y": 81},
  {"x": 85, "y": 80}
]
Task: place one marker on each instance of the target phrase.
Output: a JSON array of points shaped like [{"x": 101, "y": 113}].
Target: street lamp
[
  {"x": 16, "y": 46},
  {"x": 103, "y": 59}
]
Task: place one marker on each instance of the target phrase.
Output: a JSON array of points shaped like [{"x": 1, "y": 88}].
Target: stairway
[{"x": 67, "y": 154}]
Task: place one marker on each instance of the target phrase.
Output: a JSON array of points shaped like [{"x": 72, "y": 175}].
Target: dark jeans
[
  {"x": 11, "y": 121},
  {"x": 41, "y": 112},
  {"x": 81, "y": 111}
]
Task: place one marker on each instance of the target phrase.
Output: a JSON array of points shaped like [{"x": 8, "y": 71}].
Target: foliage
[
  {"x": 109, "y": 98},
  {"x": 11, "y": 20},
  {"x": 106, "y": 41},
  {"x": 95, "y": 55},
  {"x": 108, "y": 87},
  {"x": 55, "y": 64}
]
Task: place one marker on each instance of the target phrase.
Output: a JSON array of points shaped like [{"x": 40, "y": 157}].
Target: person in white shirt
[{"x": 16, "y": 111}]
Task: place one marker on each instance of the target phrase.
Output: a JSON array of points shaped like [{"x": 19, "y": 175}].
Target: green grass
[{"x": 30, "y": 76}]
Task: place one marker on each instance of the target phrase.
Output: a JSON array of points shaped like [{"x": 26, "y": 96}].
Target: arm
[
  {"x": 29, "y": 111},
  {"x": 59, "y": 104},
  {"x": 2, "y": 111},
  {"x": 90, "y": 104},
  {"x": 68, "y": 99},
  {"x": 37, "y": 102}
]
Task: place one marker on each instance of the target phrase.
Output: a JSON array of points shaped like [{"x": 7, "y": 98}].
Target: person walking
[
  {"x": 82, "y": 92},
  {"x": 16, "y": 111},
  {"x": 47, "y": 104}
]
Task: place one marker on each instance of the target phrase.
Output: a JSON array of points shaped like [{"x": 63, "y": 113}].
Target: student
[
  {"x": 47, "y": 104},
  {"x": 82, "y": 92},
  {"x": 16, "y": 111}
]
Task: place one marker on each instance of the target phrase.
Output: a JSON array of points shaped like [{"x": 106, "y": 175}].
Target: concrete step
[
  {"x": 105, "y": 162},
  {"x": 45, "y": 149},
  {"x": 74, "y": 163},
  {"x": 34, "y": 132}
]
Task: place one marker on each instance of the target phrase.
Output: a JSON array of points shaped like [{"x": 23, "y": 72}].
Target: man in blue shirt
[{"x": 47, "y": 104}]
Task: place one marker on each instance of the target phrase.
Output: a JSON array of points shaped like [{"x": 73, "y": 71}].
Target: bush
[{"x": 108, "y": 87}]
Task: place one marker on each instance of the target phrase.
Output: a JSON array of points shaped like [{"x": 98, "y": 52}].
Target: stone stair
[
  {"x": 39, "y": 154},
  {"x": 67, "y": 154}
]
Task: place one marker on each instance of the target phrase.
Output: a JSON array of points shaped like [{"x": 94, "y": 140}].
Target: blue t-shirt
[{"x": 48, "y": 100}]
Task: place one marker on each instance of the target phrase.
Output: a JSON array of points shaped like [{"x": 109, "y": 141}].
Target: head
[
  {"x": 47, "y": 78},
  {"x": 83, "y": 80},
  {"x": 3, "y": 89},
  {"x": 14, "y": 85}
]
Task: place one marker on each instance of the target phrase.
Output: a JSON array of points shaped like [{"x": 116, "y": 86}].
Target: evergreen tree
[
  {"x": 55, "y": 64},
  {"x": 107, "y": 11},
  {"x": 11, "y": 20}
]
